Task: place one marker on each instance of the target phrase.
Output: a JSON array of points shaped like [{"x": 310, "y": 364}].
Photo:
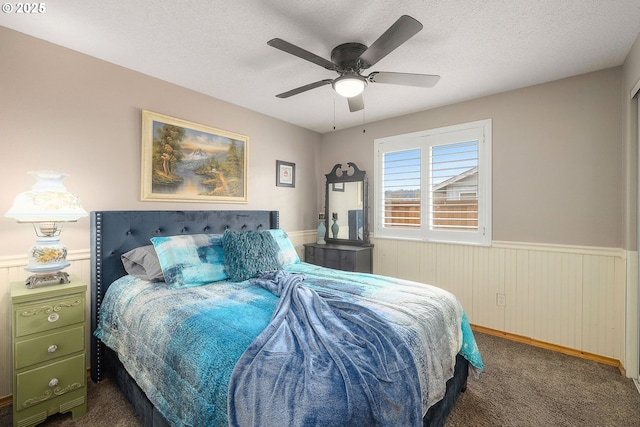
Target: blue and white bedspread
[{"x": 181, "y": 346}]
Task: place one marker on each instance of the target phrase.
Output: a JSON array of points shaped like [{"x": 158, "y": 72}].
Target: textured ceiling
[{"x": 219, "y": 47}]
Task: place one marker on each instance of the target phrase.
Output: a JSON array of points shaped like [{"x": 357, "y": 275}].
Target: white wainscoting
[{"x": 569, "y": 296}]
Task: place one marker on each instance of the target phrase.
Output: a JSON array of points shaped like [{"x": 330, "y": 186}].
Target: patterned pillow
[
  {"x": 286, "y": 251},
  {"x": 247, "y": 253},
  {"x": 142, "y": 262},
  {"x": 190, "y": 260}
]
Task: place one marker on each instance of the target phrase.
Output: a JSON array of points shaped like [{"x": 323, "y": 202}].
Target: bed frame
[{"x": 115, "y": 232}]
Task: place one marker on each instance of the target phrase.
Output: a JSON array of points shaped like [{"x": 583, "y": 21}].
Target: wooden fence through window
[{"x": 448, "y": 214}]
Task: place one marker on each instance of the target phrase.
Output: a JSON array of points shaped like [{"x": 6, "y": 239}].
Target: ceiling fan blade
[
  {"x": 304, "y": 88},
  {"x": 356, "y": 103},
  {"x": 401, "y": 31},
  {"x": 301, "y": 53},
  {"x": 405, "y": 79}
]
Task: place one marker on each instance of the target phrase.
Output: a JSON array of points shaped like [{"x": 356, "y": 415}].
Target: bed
[{"x": 114, "y": 233}]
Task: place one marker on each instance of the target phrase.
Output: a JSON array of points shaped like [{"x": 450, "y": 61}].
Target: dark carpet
[{"x": 521, "y": 386}]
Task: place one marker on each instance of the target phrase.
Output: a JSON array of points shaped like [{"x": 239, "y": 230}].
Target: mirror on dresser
[
  {"x": 347, "y": 245},
  {"x": 346, "y": 199}
]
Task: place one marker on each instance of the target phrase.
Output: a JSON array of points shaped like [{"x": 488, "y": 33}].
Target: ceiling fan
[{"x": 349, "y": 59}]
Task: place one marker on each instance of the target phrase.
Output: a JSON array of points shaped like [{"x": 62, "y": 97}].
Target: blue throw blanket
[{"x": 325, "y": 361}]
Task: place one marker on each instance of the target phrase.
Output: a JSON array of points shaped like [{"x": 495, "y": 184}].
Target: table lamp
[{"x": 47, "y": 206}]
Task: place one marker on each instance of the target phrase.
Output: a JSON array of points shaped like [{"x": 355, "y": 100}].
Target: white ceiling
[{"x": 219, "y": 47}]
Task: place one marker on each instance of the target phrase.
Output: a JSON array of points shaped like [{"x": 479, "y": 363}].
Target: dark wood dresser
[{"x": 340, "y": 257}]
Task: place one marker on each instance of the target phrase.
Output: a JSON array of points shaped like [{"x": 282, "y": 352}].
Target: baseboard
[
  {"x": 6, "y": 401},
  {"x": 553, "y": 347}
]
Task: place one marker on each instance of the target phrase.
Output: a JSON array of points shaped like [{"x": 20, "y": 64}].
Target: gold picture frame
[{"x": 189, "y": 162}]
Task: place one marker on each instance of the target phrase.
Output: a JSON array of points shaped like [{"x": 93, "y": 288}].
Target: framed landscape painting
[{"x": 185, "y": 161}]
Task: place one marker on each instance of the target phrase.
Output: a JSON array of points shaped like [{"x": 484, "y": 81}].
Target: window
[{"x": 435, "y": 185}]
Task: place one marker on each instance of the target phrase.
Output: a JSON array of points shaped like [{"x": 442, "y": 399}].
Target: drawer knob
[
  {"x": 54, "y": 382},
  {"x": 52, "y": 348},
  {"x": 53, "y": 317}
]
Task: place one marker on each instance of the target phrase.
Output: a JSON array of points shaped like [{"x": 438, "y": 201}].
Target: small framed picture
[
  {"x": 337, "y": 186},
  {"x": 285, "y": 174}
]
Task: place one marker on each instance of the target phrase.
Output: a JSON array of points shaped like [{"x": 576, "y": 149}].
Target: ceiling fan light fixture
[{"x": 349, "y": 85}]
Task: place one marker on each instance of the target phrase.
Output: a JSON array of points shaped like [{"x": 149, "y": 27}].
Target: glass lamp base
[{"x": 44, "y": 279}]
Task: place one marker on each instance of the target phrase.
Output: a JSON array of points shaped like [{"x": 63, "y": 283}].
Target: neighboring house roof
[{"x": 444, "y": 184}]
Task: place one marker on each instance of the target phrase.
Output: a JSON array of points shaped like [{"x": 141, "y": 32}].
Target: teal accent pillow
[
  {"x": 247, "y": 253},
  {"x": 286, "y": 251},
  {"x": 190, "y": 260}
]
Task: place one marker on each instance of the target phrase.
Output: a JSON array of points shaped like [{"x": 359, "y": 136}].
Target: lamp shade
[
  {"x": 349, "y": 85},
  {"x": 47, "y": 201}
]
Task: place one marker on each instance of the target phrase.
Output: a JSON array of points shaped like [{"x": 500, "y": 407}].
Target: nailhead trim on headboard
[{"x": 98, "y": 294}]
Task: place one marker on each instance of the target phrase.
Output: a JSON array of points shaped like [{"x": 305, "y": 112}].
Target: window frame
[{"x": 424, "y": 140}]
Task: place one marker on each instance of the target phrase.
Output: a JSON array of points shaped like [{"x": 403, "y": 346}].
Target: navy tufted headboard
[{"x": 115, "y": 232}]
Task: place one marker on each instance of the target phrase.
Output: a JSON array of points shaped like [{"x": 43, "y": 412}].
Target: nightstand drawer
[
  {"x": 49, "y": 314},
  {"x": 58, "y": 344},
  {"x": 57, "y": 379}
]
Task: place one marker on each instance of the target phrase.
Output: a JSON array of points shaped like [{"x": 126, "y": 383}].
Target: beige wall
[
  {"x": 557, "y": 157},
  {"x": 631, "y": 81},
  {"x": 69, "y": 112}
]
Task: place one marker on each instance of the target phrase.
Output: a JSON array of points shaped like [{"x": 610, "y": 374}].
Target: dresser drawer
[
  {"x": 334, "y": 255},
  {"x": 340, "y": 257},
  {"x": 57, "y": 344},
  {"x": 49, "y": 314},
  {"x": 312, "y": 252},
  {"x": 339, "y": 260},
  {"x": 56, "y": 379}
]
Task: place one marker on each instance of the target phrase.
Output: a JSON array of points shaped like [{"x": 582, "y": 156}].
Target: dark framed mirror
[{"x": 346, "y": 206}]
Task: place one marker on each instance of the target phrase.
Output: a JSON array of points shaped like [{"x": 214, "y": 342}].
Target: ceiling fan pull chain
[
  {"x": 364, "y": 120},
  {"x": 334, "y": 113}
]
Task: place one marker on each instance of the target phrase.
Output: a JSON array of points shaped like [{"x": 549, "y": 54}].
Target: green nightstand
[{"x": 49, "y": 367}]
